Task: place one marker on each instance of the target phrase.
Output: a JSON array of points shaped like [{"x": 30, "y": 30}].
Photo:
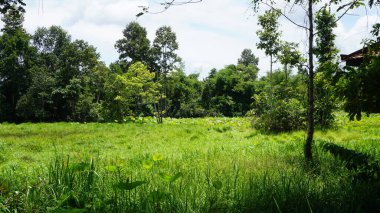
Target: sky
[{"x": 211, "y": 34}]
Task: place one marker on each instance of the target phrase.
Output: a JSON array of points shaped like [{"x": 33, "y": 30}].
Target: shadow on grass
[{"x": 363, "y": 165}]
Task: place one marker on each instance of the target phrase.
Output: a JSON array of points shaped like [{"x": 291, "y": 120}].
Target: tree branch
[
  {"x": 283, "y": 14},
  {"x": 167, "y": 5},
  {"x": 349, "y": 5}
]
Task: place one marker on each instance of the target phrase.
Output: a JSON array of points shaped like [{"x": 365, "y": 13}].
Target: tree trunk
[
  {"x": 286, "y": 74},
  {"x": 310, "y": 93},
  {"x": 271, "y": 83}
]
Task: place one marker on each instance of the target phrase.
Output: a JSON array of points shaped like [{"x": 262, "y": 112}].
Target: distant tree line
[{"x": 48, "y": 76}]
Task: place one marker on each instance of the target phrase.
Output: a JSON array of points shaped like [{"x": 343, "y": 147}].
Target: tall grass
[{"x": 202, "y": 165}]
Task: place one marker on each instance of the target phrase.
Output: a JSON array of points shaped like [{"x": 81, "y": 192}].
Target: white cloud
[
  {"x": 349, "y": 38},
  {"x": 210, "y": 34}
]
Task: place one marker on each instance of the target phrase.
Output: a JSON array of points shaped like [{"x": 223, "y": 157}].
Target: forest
[
  {"x": 143, "y": 135},
  {"x": 49, "y": 77}
]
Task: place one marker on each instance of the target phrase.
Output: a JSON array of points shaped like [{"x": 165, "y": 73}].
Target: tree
[
  {"x": 134, "y": 46},
  {"x": 269, "y": 37},
  {"x": 16, "y": 58},
  {"x": 142, "y": 87},
  {"x": 163, "y": 50},
  {"x": 66, "y": 69},
  {"x": 309, "y": 5},
  {"x": 289, "y": 56},
  {"x": 326, "y": 53},
  {"x": 325, "y": 48},
  {"x": 248, "y": 58},
  {"x": 125, "y": 91},
  {"x": 373, "y": 2},
  {"x": 37, "y": 102},
  {"x": 166, "y": 5},
  {"x": 288, "y": 110},
  {"x": 229, "y": 91},
  {"x": 184, "y": 94},
  {"x": 6, "y": 5},
  {"x": 282, "y": 110},
  {"x": 164, "y": 57},
  {"x": 358, "y": 87}
]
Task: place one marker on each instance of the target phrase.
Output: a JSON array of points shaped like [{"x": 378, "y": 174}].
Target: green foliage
[
  {"x": 13, "y": 19},
  {"x": 309, "y": 8},
  {"x": 326, "y": 99},
  {"x": 269, "y": 40},
  {"x": 184, "y": 92},
  {"x": 229, "y": 91},
  {"x": 287, "y": 111},
  {"x": 279, "y": 101},
  {"x": 164, "y": 59},
  {"x": 248, "y": 58},
  {"x": 358, "y": 87},
  {"x": 163, "y": 51},
  {"x": 132, "y": 92},
  {"x": 325, "y": 49},
  {"x": 269, "y": 35},
  {"x": 193, "y": 167},
  {"x": 16, "y": 58},
  {"x": 6, "y": 5},
  {"x": 66, "y": 81},
  {"x": 134, "y": 46},
  {"x": 326, "y": 52},
  {"x": 36, "y": 103},
  {"x": 290, "y": 57},
  {"x": 285, "y": 116}
]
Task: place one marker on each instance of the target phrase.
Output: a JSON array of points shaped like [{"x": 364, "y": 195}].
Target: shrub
[{"x": 285, "y": 116}]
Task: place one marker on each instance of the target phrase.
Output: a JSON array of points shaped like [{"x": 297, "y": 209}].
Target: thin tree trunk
[
  {"x": 271, "y": 83},
  {"x": 286, "y": 74},
  {"x": 286, "y": 83},
  {"x": 310, "y": 116}
]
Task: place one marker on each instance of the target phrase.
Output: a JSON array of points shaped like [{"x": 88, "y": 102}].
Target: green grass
[{"x": 184, "y": 165}]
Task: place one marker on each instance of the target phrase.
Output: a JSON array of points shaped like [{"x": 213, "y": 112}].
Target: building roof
[{"x": 357, "y": 57}]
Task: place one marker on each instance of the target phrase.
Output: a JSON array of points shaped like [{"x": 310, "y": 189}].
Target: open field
[{"x": 185, "y": 165}]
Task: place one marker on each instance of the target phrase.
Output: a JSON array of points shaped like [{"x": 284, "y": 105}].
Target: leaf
[
  {"x": 169, "y": 178},
  {"x": 129, "y": 185},
  {"x": 139, "y": 14},
  {"x": 147, "y": 165},
  {"x": 157, "y": 157},
  {"x": 176, "y": 177},
  {"x": 165, "y": 176}
]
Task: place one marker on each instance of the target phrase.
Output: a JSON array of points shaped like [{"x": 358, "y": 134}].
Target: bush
[{"x": 285, "y": 116}]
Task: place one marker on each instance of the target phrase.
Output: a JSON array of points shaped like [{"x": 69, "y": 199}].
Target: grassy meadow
[{"x": 185, "y": 165}]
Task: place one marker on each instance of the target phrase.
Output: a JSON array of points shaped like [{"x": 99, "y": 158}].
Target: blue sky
[{"x": 210, "y": 34}]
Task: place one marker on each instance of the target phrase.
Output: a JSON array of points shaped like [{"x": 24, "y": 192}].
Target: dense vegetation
[
  {"x": 186, "y": 165},
  {"x": 48, "y": 76},
  {"x": 215, "y": 150}
]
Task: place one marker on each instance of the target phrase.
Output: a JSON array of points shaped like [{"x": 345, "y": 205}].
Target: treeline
[{"x": 49, "y": 77}]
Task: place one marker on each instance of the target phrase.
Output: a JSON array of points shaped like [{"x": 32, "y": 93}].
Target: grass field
[{"x": 184, "y": 165}]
